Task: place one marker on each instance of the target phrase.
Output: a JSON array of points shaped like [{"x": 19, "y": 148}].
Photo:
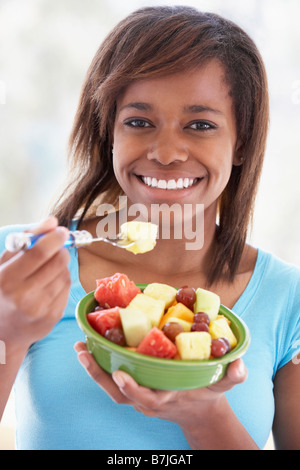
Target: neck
[
  {"x": 186, "y": 245},
  {"x": 177, "y": 252}
]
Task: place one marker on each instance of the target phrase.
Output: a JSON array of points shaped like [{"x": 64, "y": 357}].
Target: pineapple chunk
[
  {"x": 194, "y": 345},
  {"x": 207, "y": 302},
  {"x": 220, "y": 329},
  {"x": 136, "y": 325},
  {"x": 144, "y": 235},
  {"x": 153, "y": 308},
  {"x": 179, "y": 311},
  {"x": 161, "y": 291}
]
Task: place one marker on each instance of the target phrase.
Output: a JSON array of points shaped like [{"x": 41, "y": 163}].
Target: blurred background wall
[{"x": 45, "y": 49}]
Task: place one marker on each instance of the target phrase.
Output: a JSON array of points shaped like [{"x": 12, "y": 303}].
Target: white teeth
[
  {"x": 162, "y": 184},
  {"x": 168, "y": 184},
  {"x": 180, "y": 183},
  {"x": 171, "y": 184},
  {"x": 186, "y": 182}
]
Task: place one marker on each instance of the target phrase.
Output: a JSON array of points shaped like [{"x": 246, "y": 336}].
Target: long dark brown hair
[{"x": 158, "y": 41}]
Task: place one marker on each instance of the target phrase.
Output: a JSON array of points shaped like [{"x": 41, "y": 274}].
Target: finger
[
  {"x": 52, "y": 312},
  {"x": 46, "y": 225},
  {"x": 24, "y": 264},
  {"x": 143, "y": 398},
  {"x": 42, "y": 227},
  {"x": 59, "y": 301},
  {"x": 50, "y": 271},
  {"x": 102, "y": 378},
  {"x": 6, "y": 256},
  {"x": 48, "y": 300},
  {"x": 236, "y": 373}
]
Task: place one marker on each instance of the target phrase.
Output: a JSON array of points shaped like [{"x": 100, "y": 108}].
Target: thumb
[{"x": 236, "y": 373}]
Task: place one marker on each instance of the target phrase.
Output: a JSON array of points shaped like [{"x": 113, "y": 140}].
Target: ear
[{"x": 238, "y": 157}]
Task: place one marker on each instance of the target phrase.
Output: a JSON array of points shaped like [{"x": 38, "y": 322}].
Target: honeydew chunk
[
  {"x": 220, "y": 329},
  {"x": 136, "y": 325},
  {"x": 144, "y": 235},
  {"x": 153, "y": 308},
  {"x": 194, "y": 345},
  {"x": 161, "y": 291},
  {"x": 207, "y": 302},
  {"x": 185, "y": 324}
]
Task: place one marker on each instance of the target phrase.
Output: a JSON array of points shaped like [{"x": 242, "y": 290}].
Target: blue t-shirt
[{"x": 58, "y": 406}]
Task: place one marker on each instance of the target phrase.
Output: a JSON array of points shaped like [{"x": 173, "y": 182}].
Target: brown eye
[
  {"x": 139, "y": 123},
  {"x": 202, "y": 126}
]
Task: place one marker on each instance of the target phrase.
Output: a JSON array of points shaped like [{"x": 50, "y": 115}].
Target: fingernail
[
  {"x": 241, "y": 370},
  {"x": 84, "y": 360},
  {"x": 118, "y": 379},
  {"x": 64, "y": 231}
]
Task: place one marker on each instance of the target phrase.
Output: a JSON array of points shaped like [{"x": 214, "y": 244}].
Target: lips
[{"x": 169, "y": 184}]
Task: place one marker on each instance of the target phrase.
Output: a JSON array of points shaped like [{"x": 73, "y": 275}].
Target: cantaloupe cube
[
  {"x": 220, "y": 329},
  {"x": 179, "y": 311},
  {"x": 162, "y": 292},
  {"x": 207, "y": 302},
  {"x": 154, "y": 308},
  {"x": 136, "y": 325},
  {"x": 195, "y": 345}
]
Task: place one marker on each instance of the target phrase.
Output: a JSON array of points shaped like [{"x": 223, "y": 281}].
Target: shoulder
[
  {"x": 279, "y": 285},
  {"x": 276, "y": 270}
]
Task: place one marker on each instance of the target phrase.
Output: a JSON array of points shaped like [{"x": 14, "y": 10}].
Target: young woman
[{"x": 174, "y": 109}]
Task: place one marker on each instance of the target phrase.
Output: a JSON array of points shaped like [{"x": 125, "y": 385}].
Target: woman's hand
[
  {"x": 34, "y": 287},
  {"x": 182, "y": 407}
]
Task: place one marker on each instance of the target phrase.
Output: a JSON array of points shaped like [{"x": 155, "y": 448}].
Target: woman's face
[{"x": 175, "y": 138}]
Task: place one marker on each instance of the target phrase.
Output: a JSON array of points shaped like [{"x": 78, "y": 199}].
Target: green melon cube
[
  {"x": 135, "y": 324},
  {"x": 207, "y": 302}
]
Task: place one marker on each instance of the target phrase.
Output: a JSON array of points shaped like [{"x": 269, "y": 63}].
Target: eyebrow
[
  {"x": 140, "y": 106},
  {"x": 201, "y": 109}
]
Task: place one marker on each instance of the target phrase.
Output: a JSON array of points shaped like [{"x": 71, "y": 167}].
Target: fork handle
[{"x": 24, "y": 241}]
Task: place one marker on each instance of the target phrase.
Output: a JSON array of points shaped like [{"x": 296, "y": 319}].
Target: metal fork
[{"x": 24, "y": 241}]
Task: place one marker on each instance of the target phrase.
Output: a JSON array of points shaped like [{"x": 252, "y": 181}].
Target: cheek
[
  {"x": 121, "y": 163},
  {"x": 116, "y": 167}
]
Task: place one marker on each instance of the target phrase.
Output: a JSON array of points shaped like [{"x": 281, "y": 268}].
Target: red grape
[
  {"x": 199, "y": 326},
  {"x": 227, "y": 344},
  {"x": 218, "y": 347},
  {"x": 98, "y": 308},
  {"x": 172, "y": 329},
  {"x": 187, "y": 296},
  {"x": 201, "y": 317},
  {"x": 115, "y": 335}
]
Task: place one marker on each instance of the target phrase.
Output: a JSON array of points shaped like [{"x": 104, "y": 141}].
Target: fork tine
[{"x": 118, "y": 242}]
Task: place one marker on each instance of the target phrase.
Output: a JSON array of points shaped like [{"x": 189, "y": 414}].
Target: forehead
[{"x": 204, "y": 85}]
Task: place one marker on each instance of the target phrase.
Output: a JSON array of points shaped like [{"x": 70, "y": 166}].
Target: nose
[{"x": 168, "y": 148}]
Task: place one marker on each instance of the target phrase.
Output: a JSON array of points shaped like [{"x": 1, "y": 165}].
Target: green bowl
[{"x": 153, "y": 372}]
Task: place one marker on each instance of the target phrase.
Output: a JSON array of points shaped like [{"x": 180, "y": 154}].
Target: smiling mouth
[{"x": 171, "y": 184}]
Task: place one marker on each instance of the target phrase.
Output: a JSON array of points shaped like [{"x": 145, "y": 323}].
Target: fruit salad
[{"x": 161, "y": 321}]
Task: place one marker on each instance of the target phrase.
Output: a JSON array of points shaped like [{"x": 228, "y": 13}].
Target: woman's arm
[
  {"x": 8, "y": 373},
  {"x": 204, "y": 415},
  {"x": 286, "y": 427},
  {"x": 34, "y": 288}
]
